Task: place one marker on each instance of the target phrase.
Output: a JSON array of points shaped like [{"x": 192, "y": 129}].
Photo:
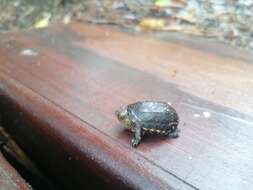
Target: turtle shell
[{"x": 152, "y": 114}]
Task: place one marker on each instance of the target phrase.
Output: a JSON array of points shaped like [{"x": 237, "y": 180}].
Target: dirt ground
[{"x": 229, "y": 21}]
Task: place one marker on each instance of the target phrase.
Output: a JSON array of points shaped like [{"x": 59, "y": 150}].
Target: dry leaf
[
  {"x": 170, "y": 3},
  {"x": 162, "y": 3},
  {"x": 152, "y": 24},
  {"x": 66, "y": 19},
  {"x": 44, "y": 22}
]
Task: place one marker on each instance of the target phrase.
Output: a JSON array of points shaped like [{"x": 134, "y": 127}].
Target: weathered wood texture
[
  {"x": 9, "y": 178},
  {"x": 65, "y": 98}
]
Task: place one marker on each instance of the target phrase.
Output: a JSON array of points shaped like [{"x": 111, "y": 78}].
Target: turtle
[{"x": 149, "y": 117}]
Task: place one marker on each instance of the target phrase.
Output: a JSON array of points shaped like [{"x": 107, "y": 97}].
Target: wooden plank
[
  {"x": 9, "y": 178},
  {"x": 69, "y": 91}
]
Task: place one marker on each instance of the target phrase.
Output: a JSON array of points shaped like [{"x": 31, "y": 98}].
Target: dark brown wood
[
  {"x": 9, "y": 178},
  {"x": 65, "y": 98}
]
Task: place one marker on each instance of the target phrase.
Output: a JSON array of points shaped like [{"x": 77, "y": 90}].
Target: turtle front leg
[{"x": 137, "y": 137}]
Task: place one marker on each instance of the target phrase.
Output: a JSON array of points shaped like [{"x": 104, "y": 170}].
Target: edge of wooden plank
[
  {"x": 83, "y": 146},
  {"x": 14, "y": 180}
]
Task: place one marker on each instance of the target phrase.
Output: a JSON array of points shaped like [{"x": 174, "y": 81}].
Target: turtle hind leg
[
  {"x": 174, "y": 134},
  {"x": 137, "y": 137}
]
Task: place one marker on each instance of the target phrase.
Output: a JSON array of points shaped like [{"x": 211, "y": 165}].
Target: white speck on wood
[
  {"x": 206, "y": 114},
  {"x": 196, "y": 115},
  {"x": 29, "y": 52}
]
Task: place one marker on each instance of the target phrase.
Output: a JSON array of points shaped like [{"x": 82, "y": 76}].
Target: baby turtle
[{"x": 149, "y": 117}]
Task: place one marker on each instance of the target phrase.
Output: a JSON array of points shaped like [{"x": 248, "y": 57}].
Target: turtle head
[{"x": 122, "y": 116}]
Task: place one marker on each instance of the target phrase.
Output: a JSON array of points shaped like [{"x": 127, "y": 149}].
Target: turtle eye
[{"x": 123, "y": 113}]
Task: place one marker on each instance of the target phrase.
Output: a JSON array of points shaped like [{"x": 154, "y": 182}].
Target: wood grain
[{"x": 82, "y": 74}]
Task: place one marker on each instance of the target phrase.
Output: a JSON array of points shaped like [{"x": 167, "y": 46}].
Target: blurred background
[{"x": 229, "y": 21}]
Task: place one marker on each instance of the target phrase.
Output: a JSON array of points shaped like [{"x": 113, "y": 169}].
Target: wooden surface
[
  {"x": 9, "y": 178},
  {"x": 66, "y": 95}
]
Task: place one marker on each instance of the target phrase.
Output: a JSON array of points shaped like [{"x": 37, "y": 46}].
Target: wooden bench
[{"x": 60, "y": 87}]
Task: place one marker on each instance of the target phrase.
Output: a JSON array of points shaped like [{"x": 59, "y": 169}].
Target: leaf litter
[{"x": 230, "y": 21}]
